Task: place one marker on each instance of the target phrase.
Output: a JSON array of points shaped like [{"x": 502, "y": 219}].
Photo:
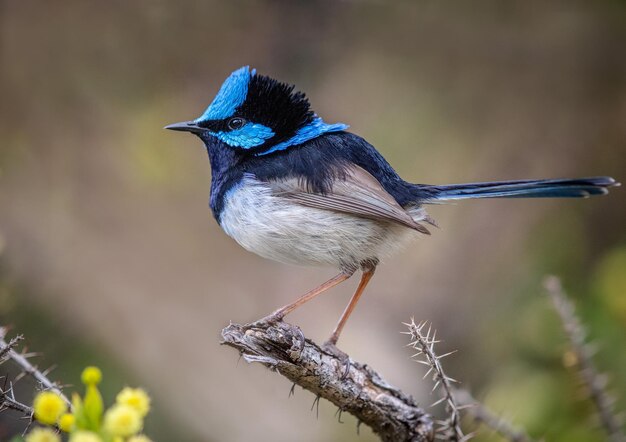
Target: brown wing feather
[{"x": 357, "y": 193}]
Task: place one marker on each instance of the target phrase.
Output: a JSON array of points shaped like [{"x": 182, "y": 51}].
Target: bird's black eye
[{"x": 236, "y": 123}]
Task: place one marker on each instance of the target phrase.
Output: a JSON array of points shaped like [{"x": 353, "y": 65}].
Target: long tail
[{"x": 559, "y": 188}]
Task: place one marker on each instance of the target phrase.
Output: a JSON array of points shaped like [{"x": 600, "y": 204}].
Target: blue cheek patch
[
  {"x": 313, "y": 130},
  {"x": 231, "y": 95},
  {"x": 246, "y": 137}
]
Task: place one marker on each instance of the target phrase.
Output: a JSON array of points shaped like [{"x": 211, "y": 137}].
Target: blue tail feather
[{"x": 553, "y": 188}]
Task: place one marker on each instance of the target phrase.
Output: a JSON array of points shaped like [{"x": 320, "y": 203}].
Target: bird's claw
[
  {"x": 263, "y": 323},
  {"x": 332, "y": 350}
]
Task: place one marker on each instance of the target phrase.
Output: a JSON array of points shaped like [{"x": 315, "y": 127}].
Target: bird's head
[{"x": 257, "y": 115}]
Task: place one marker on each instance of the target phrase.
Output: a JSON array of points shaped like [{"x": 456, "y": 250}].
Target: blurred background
[{"x": 109, "y": 253}]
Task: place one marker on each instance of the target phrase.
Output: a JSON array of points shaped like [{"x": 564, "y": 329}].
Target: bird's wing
[{"x": 356, "y": 192}]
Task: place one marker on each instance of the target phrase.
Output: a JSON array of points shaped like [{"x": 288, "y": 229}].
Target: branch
[
  {"x": 481, "y": 414},
  {"x": 7, "y": 396},
  {"x": 5, "y": 347},
  {"x": 8, "y": 402},
  {"x": 360, "y": 391},
  {"x": 576, "y": 334},
  {"x": 7, "y": 351},
  {"x": 423, "y": 340}
]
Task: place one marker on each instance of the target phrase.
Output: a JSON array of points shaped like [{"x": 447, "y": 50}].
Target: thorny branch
[
  {"x": 423, "y": 339},
  {"x": 5, "y": 348},
  {"x": 479, "y": 413},
  {"x": 28, "y": 369},
  {"x": 594, "y": 381},
  {"x": 7, "y": 398},
  {"x": 393, "y": 415},
  {"x": 360, "y": 391}
]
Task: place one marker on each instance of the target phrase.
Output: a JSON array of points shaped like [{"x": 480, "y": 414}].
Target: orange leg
[
  {"x": 367, "y": 275},
  {"x": 283, "y": 311}
]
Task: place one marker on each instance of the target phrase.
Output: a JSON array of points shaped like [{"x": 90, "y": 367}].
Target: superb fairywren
[{"x": 290, "y": 187}]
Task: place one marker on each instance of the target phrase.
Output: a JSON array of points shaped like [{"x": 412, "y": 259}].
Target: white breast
[{"x": 279, "y": 229}]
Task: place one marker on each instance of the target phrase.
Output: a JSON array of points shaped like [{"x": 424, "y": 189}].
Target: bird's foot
[
  {"x": 330, "y": 348},
  {"x": 265, "y": 322},
  {"x": 273, "y": 327}
]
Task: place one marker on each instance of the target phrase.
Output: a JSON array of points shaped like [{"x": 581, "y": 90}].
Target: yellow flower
[
  {"x": 122, "y": 420},
  {"x": 84, "y": 436},
  {"x": 91, "y": 376},
  {"x": 140, "y": 438},
  {"x": 42, "y": 435},
  {"x": 67, "y": 422},
  {"x": 136, "y": 398},
  {"x": 48, "y": 407}
]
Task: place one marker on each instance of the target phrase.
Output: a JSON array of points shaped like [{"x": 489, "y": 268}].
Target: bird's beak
[{"x": 186, "y": 126}]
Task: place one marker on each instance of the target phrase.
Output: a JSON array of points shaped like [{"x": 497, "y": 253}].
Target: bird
[{"x": 290, "y": 187}]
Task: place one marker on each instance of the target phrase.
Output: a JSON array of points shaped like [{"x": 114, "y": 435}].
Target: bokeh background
[{"x": 109, "y": 254}]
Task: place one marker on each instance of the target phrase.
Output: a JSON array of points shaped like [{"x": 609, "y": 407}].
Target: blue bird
[{"x": 290, "y": 187}]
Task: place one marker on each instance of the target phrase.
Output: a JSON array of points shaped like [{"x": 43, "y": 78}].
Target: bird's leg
[
  {"x": 279, "y": 314},
  {"x": 331, "y": 344},
  {"x": 365, "y": 279}
]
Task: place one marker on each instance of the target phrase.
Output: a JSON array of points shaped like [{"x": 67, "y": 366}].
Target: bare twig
[
  {"x": 8, "y": 402},
  {"x": 27, "y": 368},
  {"x": 7, "y": 397},
  {"x": 6, "y": 348},
  {"x": 423, "y": 339},
  {"x": 593, "y": 380},
  {"x": 359, "y": 390},
  {"x": 481, "y": 414}
]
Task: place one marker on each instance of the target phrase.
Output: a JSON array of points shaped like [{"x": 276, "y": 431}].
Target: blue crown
[{"x": 231, "y": 95}]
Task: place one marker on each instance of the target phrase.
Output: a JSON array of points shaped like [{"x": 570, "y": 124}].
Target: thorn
[
  {"x": 467, "y": 437},
  {"x": 435, "y": 386},
  {"x": 19, "y": 376},
  {"x": 338, "y": 414},
  {"x": 47, "y": 371},
  {"x": 432, "y": 342},
  {"x": 32, "y": 354},
  {"x": 446, "y": 354},
  {"x": 430, "y": 370},
  {"x": 434, "y": 404},
  {"x": 27, "y": 427},
  {"x": 316, "y": 401}
]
